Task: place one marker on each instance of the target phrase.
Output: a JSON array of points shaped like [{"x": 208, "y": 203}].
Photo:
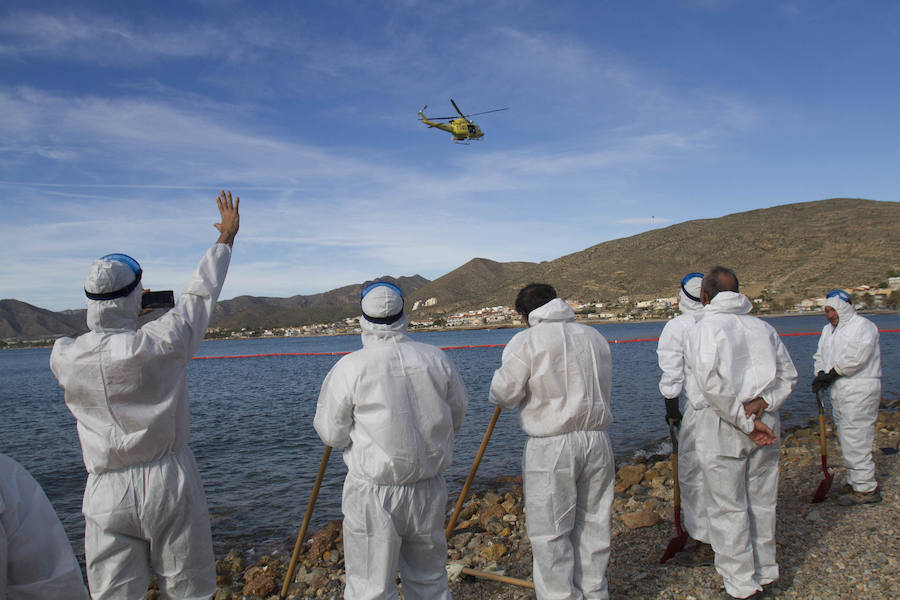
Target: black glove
[
  {"x": 673, "y": 415},
  {"x": 823, "y": 380}
]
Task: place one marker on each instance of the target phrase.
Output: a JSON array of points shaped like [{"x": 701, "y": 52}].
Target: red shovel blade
[
  {"x": 824, "y": 486},
  {"x": 676, "y": 544}
]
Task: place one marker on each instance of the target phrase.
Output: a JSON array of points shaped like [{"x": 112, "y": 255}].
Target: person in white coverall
[
  {"x": 558, "y": 373},
  {"x": 395, "y": 407},
  {"x": 670, "y": 354},
  {"x": 743, "y": 374},
  {"x": 144, "y": 505},
  {"x": 36, "y": 560},
  {"x": 848, "y": 362}
]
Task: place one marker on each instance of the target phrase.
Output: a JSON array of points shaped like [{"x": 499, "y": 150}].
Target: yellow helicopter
[{"x": 461, "y": 128}]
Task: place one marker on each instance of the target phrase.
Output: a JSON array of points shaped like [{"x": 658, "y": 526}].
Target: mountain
[
  {"x": 21, "y": 320},
  {"x": 791, "y": 251},
  {"x": 258, "y": 311}
]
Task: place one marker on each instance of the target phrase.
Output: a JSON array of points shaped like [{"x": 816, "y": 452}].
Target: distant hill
[
  {"x": 24, "y": 321},
  {"x": 257, "y": 311},
  {"x": 792, "y": 251}
]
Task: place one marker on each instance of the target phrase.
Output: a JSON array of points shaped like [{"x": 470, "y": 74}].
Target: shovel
[
  {"x": 472, "y": 471},
  {"x": 306, "y": 517},
  {"x": 462, "y": 499},
  {"x": 676, "y": 544},
  {"x": 823, "y": 488}
]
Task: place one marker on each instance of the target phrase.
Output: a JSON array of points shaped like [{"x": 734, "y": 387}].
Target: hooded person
[
  {"x": 558, "y": 373},
  {"x": 739, "y": 375},
  {"x": 848, "y": 363},
  {"x": 395, "y": 407},
  {"x": 144, "y": 506},
  {"x": 670, "y": 354},
  {"x": 36, "y": 559}
]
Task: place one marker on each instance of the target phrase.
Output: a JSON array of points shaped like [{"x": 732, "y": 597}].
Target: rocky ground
[{"x": 825, "y": 550}]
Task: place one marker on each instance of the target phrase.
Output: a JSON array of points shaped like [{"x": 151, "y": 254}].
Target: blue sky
[{"x": 120, "y": 121}]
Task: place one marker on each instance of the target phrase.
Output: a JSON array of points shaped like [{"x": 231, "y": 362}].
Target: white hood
[
  {"x": 121, "y": 314},
  {"x": 374, "y": 333},
  {"x": 687, "y": 305},
  {"x": 733, "y": 303},
  {"x": 844, "y": 310},
  {"x": 555, "y": 310}
]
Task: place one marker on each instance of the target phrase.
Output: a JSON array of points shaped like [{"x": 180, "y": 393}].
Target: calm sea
[{"x": 252, "y": 434}]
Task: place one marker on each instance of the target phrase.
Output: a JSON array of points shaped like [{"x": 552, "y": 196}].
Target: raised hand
[{"x": 231, "y": 218}]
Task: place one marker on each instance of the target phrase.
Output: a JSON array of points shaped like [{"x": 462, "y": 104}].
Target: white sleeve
[
  {"x": 670, "y": 355},
  {"x": 510, "y": 381},
  {"x": 36, "y": 560},
  {"x": 184, "y": 326},
  {"x": 857, "y": 350},
  {"x": 785, "y": 377},
  {"x": 457, "y": 397},
  {"x": 334, "y": 409},
  {"x": 818, "y": 357}
]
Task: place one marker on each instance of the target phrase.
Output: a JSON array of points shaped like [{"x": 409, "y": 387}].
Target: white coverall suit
[
  {"x": 559, "y": 373},
  {"x": 144, "y": 505},
  {"x": 395, "y": 406},
  {"x": 734, "y": 358},
  {"x": 853, "y": 349},
  {"x": 36, "y": 560},
  {"x": 670, "y": 354}
]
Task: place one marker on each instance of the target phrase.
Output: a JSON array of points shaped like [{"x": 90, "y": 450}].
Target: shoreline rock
[{"x": 824, "y": 550}]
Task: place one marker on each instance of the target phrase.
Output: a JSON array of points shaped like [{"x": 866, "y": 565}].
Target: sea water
[{"x": 252, "y": 434}]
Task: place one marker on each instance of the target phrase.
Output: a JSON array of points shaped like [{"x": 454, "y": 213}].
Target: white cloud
[{"x": 103, "y": 39}]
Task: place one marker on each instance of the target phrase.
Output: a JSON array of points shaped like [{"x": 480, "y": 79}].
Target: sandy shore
[{"x": 825, "y": 550}]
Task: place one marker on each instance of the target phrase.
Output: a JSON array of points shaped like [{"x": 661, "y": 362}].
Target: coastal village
[{"x": 623, "y": 309}]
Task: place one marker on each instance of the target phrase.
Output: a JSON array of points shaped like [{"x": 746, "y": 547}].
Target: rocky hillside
[
  {"x": 794, "y": 250},
  {"x": 20, "y": 320}
]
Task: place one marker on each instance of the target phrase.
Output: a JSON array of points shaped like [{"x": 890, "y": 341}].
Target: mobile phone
[{"x": 163, "y": 299}]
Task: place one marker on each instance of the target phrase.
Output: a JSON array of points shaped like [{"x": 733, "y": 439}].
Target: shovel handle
[
  {"x": 465, "y": 491},
  {"x": 821, "y": 402},
  {"x": 306, "y": 518},
  {"x": 676, "y": 487}
]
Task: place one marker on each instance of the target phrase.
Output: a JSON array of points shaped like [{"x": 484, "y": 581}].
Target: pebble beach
[{"x": 825, "y": 551}]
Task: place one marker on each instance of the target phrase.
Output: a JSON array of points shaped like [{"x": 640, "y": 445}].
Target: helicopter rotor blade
[
  {"x": 486, "y": 112},
  {"x": 457, "y": 108}
]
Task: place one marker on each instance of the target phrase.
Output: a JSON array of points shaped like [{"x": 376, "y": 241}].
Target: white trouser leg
[
  {"x": 690, "y": 479},
  {"x": 762, "y": 489},
  {"x": 387, "y": 528},
  {"x": 149, "y": 516},
  {"x": 591, "y": 533},
  {"x": 855, "y": 410},
  {"x": 371, "y": 543},
  {"x": 568, "y": 497},
  {"x": 423, "y": 553}
]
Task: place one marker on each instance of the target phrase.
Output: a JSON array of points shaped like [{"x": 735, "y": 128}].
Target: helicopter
[{"x": 460, "y": 128}]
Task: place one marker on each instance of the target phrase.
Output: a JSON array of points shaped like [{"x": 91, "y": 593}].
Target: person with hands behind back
[{"x": 742, "y": 374}]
